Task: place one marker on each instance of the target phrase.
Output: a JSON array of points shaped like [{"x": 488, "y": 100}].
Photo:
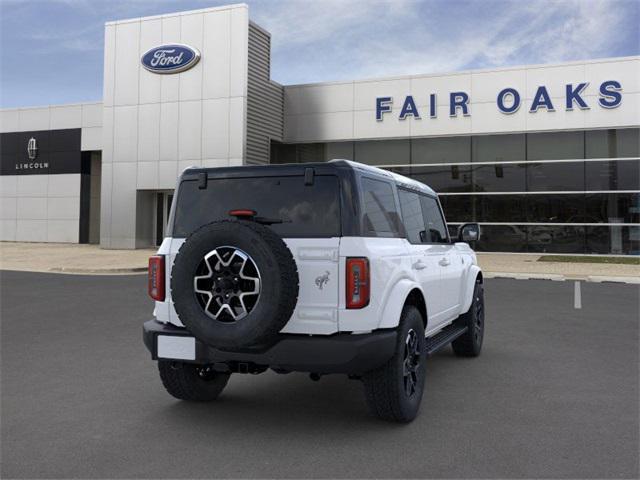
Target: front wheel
[
  {"x": 394, "y": 391},
  {"x": 186, "y": 381},
  {"x": 470, "y": 344}
]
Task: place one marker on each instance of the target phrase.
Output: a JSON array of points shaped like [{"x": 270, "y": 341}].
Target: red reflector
[
  {"x": 242, "y": 213},
  {"x": 358, "y": 286},
  {"x": 156, "y": 277}
]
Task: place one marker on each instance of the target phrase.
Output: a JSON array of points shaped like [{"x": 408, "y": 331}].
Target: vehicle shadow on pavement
[
  {"x": 289, "y": 402},
  {"x": 280, "y": 402}
]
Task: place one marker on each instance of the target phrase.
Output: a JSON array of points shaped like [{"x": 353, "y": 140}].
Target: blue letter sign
[
  {"x": 458, "y": 99},
  {"x": 509, "y": 92},
  {"x": 541, "y": 99},
  {"x": 610, "y": 96},
  {"x": 382, "y": 105},
  {"x": 409, "y": 108},
  {"x": 508, "y": 100},
  {"x": 573, "y": 94}
]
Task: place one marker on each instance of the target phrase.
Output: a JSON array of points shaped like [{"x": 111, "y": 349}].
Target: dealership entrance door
[{"x": 163, "y": 207}]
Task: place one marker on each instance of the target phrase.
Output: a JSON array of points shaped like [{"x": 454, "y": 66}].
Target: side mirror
[{"x": 469, "y": 232}]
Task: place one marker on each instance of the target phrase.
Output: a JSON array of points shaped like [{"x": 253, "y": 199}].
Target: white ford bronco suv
[{"x": 333, "y": 267}]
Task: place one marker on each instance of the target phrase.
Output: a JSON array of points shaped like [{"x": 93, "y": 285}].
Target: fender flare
[
  {"x": 390, "y": 317},
  {"x": 469, "y": 285}
]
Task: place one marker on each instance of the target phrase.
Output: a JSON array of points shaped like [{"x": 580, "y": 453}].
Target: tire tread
[
  {"x": 382, "y": 389},
  {"x": 464, "y": 345},
  {"x": 182, "y": 382}
]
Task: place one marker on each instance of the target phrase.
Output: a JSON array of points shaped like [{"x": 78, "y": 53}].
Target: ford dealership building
[{"x": 544, "y": 157}]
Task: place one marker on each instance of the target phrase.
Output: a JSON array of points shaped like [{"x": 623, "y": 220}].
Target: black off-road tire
[
  {"x": 470, "y": 343},
  {"x": 279, "y": 284},
  {"x": 186, "y": 381},
  {"x": 385, "y": 387}
]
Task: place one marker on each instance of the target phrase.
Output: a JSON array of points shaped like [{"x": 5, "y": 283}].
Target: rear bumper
[{"x": 339, "y": 353}]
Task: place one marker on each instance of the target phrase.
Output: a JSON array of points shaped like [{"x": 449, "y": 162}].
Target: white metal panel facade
[
  {"x": 155, "y": 126},
  {"x": 347, "y": 110}
]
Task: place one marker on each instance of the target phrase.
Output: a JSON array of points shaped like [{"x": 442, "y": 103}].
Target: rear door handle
[
  {"x": 419, "y": 265},
  {"x": 444, "y": 261}
]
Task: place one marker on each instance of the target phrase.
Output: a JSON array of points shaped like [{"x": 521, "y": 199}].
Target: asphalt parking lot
[{"x": 554, "y": 394}]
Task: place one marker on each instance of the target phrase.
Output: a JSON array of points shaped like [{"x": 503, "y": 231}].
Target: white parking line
[
  {"x": 561, "y": 278},
  {"x": 577, "y": 295}
]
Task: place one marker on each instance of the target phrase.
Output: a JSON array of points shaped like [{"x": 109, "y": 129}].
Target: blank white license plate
[{"x": 176, "y": 348}]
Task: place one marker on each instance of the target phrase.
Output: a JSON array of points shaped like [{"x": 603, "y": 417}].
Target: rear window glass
[{"x": 306, "y": 210}]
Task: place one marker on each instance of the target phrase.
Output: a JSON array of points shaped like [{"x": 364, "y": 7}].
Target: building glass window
[
  {"x": 458, "y": 208},
  {"x": 613, "y": 175},
  {"x": 383, "y": 152},
  {"x": 440, "y": 150},
  {"x": 612, "y": 143},
  {"x": 555, "y": 145},
  {"x": 339, "y": 150},
  {"x": 617, "y": 240},
  {"x": 444, "y": 178},
  {"x": 556, "y": 239},
  {"x": 559, "y": 208},
  {"x": 533, "y": 177},
  {"x": 499, "y": 178},
  {"x": 381, "y": 217},
  {"x": 502, "y": 238},
  {"x": 412, "y": 216},
  {"x": 613, "y": 207},
  {"x": 499, "y": 148},
  {"x": 501, "y": 208},
  {"x": 549, "y": 177},
  {"x": 310, "y": 152}
]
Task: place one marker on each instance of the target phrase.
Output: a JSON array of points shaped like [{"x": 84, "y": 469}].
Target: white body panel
[
  {"x": 316, "y": 311},
  {"x": 396, "y": 268}
]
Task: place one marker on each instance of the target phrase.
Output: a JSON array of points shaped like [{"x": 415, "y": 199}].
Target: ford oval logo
[{"x": 171, "y": 58}]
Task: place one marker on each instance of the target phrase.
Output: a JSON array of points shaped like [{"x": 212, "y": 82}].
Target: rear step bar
[{"x": 443, "y": 338}]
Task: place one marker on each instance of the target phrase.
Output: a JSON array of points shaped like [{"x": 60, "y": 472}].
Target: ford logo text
[{"x": 172, "y": 58}]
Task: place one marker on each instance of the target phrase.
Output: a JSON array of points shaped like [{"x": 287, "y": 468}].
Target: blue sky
[{"x": 51, "y": 51}]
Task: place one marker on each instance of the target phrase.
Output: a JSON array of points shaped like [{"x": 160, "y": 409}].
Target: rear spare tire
[{"x": 234, "y": 284}]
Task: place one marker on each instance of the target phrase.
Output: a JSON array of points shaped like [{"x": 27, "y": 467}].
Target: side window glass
[
  {"x": 436, "y": 229},
  {"x": 412, "y": 216},
  {"x": 381, "y": 217}
]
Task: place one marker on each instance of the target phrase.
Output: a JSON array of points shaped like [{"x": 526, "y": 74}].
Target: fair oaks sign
[{"x": 508, "y": 100}]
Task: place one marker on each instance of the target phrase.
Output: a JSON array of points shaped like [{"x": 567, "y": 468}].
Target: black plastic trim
[{"x": 339, "y": 353}]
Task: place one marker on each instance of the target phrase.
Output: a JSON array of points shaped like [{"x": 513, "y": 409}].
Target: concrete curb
[{"x": 561, "y": 278}]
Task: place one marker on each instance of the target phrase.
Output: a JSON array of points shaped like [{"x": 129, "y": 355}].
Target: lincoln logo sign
[
  {"x": 172, "y": 58},
  {"x": 508, "y": 101},
  {"x": 32, "y": 149},
  {"x": 32, "y": 154}
]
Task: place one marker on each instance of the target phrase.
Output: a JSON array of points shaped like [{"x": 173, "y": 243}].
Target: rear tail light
[
  {"x": 358, "y": 282},
  {"x": 156, "y": 277}
]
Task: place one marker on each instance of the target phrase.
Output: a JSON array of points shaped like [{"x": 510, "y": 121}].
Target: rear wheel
[
  {"x": 470, "y": 344},
  {"x": 186, "y": 381},
  {"x": 394, "y": 391}
]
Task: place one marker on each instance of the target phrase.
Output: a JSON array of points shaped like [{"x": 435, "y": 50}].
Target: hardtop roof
[{"x": 299, "y": 168}]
